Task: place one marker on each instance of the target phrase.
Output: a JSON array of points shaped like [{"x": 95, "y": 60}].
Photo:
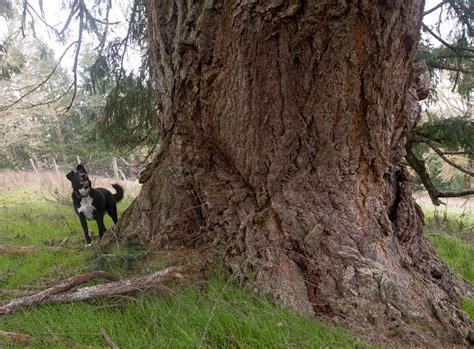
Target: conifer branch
[
  {"x": 447, "y": 160},
  {"x": 457, "y": 50}
]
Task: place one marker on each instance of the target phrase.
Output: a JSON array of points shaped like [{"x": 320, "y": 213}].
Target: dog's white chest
[{"x": 86, "y": 207}]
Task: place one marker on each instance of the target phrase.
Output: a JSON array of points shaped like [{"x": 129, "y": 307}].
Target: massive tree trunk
[{"x": 283, "y": 127}]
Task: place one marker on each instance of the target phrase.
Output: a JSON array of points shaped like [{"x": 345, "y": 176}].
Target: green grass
[
  {"x": 41, "y": 223},
  {"x": 457, "y": 254},
  {"x": 218, "y": 316},
  {"x": 452, "y": 236},
  {"x": 217, "y": 313}
]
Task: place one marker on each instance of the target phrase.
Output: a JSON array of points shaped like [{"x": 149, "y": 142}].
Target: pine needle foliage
[{"x": 455, "y": 133}]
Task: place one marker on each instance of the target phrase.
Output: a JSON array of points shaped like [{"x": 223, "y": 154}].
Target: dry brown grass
[{"x": 57, "y": 184}]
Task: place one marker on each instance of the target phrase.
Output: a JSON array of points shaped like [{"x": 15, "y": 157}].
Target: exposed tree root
[{"x": 61, "y": 293}]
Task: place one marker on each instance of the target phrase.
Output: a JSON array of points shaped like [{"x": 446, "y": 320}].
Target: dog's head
[{"x": 80, "y": 180}]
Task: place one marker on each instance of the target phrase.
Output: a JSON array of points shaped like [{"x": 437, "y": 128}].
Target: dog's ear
[
  {"x": 70, "y": 175},
  {"x": 80, "y": 168}
]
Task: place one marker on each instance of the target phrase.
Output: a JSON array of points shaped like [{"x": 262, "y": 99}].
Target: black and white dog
[{"x": 92, "y": 203}]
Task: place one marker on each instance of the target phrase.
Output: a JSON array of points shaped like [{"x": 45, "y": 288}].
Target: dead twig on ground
[{"x": 61, "y": 293}]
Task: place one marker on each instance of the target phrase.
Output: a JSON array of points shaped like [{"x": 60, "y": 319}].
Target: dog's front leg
[{"x": 83, "y": 220}]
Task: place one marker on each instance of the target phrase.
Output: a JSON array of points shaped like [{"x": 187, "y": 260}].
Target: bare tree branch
[
  {"x": 23, "y": 17},
  {"x": 125, "y": 42},
  {"x": 445, "y": 43},
  {"x": 419, "y": 167},
  {"x": 434, "y": 8},
  {"x": 458, "y": 153},
  {"x": 455, "y": 194},
  {"x": 54, "y": 100},
  {"x": 103, "y": 40},
  {"x": 74, "y": 9},
  {"x": 451, "y": 68},
  {"x": 76, "y": 56},
  {"x": 40, "y": 17},
  {"x": 42, "y": 82}
]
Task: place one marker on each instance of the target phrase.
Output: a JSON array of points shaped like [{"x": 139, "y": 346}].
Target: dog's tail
[{"x": 119, "y": 192}]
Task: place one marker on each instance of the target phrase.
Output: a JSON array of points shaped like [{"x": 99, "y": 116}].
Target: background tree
[{"x": 37, "y": 91}]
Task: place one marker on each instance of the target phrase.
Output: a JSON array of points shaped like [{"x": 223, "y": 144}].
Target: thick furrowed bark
[{"x": 283, "y": 130}]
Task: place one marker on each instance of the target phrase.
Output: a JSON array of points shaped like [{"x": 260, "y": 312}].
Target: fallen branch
[
  {"x": 142, "y": 283},
  {"x": 17, "y": 303},
  {"x": 58, "y": 294}
]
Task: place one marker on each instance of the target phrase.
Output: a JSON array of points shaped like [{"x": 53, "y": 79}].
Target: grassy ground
[
  {"x": 218, "y": 313},
  {"x": 452, "y": 235}
]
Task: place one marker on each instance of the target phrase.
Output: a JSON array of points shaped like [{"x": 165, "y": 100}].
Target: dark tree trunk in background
[{"x": 283, "y": 127}]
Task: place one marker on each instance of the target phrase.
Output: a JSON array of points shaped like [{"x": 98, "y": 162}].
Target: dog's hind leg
[
  {"x": 101, "y": 225},
  {"x": 87, "y": 236},
  {"x": 112, "y": 211}
]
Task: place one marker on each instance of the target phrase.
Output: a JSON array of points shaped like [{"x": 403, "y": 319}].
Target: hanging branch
[
  {"x": 125, "y": 43},
  {"x": 23, "y": 18},
  {"x": 455, "y": 194},
  {"x": 445, "y": 43},
  {"x": 74, "y": 9},
  {"x": 434, "y": 8},
  {"x": 461, "y": 14},
  {"x": 32, "y": 12},
  {"x": 420, "y": 168},
  {"x": 450, "y": 162},
  {"x": 101, "y": 46},
  {"x": 443, "y": 66},
  {"x": 76, "y": 56}
]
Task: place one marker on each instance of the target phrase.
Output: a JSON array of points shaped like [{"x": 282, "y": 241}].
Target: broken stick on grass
[
  {"x": 61, "y": 294},
  {"x": 25, "y": 301}
]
